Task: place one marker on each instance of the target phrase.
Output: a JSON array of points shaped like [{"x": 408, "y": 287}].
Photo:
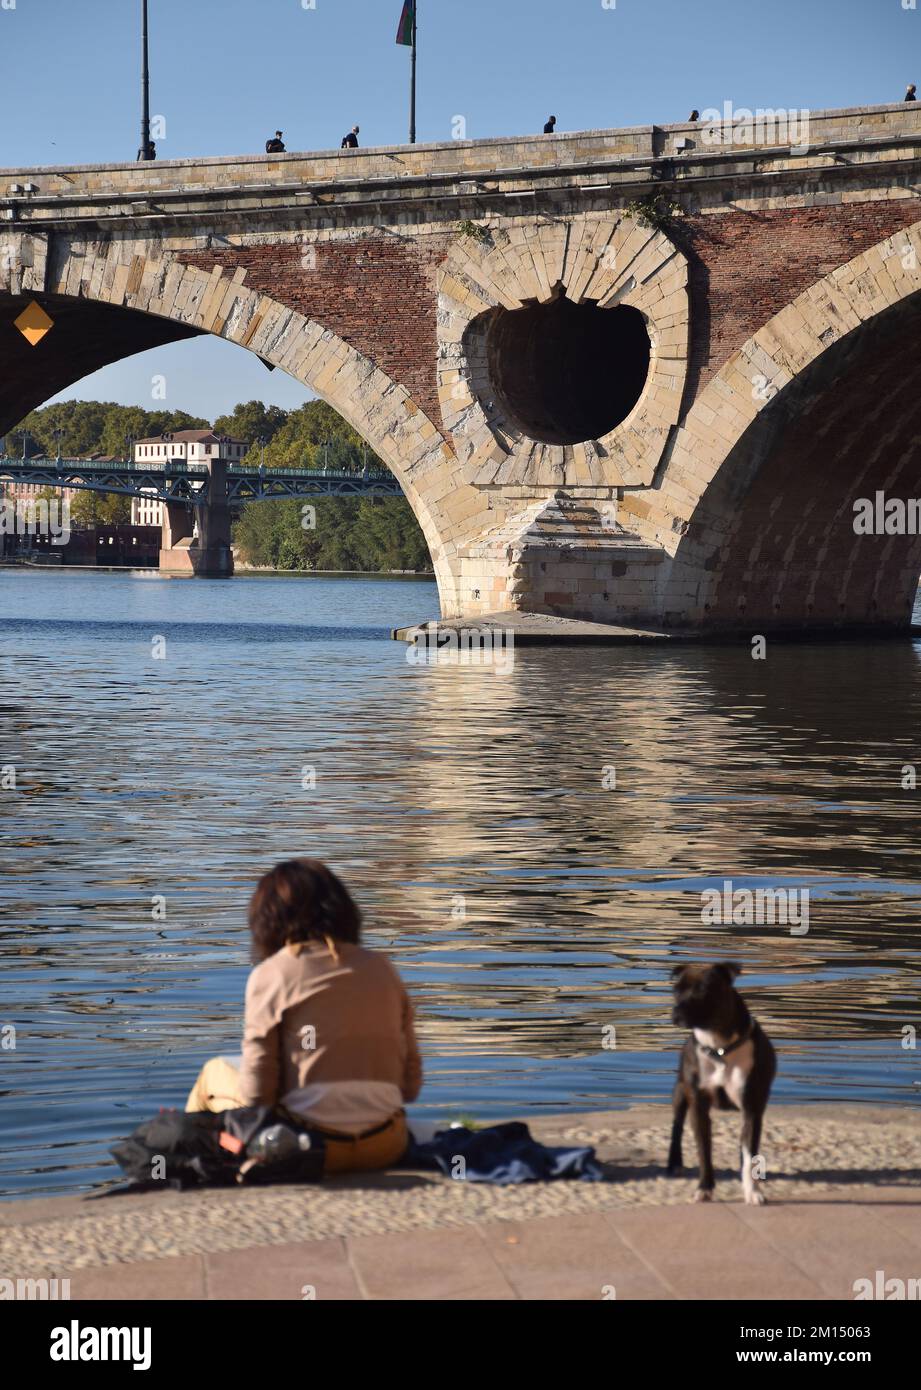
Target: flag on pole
[{"x": 407, "y": 20}]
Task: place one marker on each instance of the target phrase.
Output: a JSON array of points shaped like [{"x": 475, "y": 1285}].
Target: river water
[{"x": 534, "y": 908}]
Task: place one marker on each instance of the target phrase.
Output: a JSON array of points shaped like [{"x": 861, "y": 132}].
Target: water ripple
[{"x": 531, "y": 906}]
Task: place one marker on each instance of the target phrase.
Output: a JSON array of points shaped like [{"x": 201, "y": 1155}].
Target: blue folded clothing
[{"x": 501, "y": 1154}]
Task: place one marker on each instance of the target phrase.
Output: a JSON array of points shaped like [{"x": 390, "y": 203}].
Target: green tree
[
  {"x": 350, "y": 534},
  {"x": 94, "y": 427},
  {"x": 313, "y": 436},
  {"x": 100, "y": 509},
  {"x": 389, "y": 536},
  {"x": 253, "y": 421}
]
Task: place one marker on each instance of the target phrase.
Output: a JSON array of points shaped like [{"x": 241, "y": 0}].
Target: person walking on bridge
[
  {"x": 550, "y": 127},
  {"x": 275, "y": 146},
  {"x": 350, "y": 141},
  {"x": 910, "y": 92}
]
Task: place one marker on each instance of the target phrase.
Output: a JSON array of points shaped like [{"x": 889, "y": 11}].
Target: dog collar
[{"x": 718, "y": 1053}]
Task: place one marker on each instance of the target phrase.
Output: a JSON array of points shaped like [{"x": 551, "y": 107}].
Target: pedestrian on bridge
[
  {"x": 550, "y": 127},
  {"x": 350, "y": 141},
  {"x": 910, "y": 92},
  {"x": 275, "y": 146},
  {"x": 695, "y": 115}
]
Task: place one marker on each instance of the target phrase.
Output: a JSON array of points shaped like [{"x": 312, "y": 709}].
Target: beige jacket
[{"x": 329, "y": 1032}]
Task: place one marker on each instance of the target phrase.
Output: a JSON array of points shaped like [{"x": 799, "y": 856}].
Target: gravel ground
[{"x": 808, "y": 1150}]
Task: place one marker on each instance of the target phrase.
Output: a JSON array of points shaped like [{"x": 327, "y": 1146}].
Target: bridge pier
[
  {"x": 566, "y": 557},
  {"x": 208, "y": 554}
]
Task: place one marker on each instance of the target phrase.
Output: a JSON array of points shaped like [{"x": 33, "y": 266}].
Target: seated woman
[{"x": 328, "y": 1030}]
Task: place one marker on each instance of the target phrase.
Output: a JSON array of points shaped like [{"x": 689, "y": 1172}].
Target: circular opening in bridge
[{"x": 566, "y": 372}]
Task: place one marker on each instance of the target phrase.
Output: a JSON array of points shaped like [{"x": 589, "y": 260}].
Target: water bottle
[{"x": 277, "y": 1143}]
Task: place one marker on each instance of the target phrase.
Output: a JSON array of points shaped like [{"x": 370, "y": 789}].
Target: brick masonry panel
[
  {"x": 747, "y": 266},
  {"x": 376, "y": 292}
]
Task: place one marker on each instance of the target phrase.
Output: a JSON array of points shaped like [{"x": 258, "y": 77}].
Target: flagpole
[{"x": 412, "y": 83}]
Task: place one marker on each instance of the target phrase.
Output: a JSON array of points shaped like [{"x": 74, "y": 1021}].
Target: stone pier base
[{"x": 214, "y": 561}]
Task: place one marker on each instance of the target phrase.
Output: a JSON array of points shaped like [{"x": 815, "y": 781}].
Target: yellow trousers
[{"x": 217, "y": 1088}]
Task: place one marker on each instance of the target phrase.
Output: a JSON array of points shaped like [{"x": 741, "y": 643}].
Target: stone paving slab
[
  {"x": 430, "y": 1265},
  {"x": 302, "y": 1270},
  {"x": 834, "y": 1244},
  {"x": 571, "y": 1257},
  {"x": 182, "y": 1277},
  {"x": 706, "y": 1252}
]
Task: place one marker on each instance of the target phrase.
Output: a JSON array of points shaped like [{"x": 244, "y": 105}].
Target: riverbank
[
  {"x": 251, "y": 571},
  {"x": 407, "y": 1234}
]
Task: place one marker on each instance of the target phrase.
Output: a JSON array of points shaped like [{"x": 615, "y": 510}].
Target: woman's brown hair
[{"x": 301, "y": 900}]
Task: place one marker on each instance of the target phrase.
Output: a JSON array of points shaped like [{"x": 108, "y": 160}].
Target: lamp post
[
  {"x": 147, "y": 150},
  {"x": 412, "y": 86}
]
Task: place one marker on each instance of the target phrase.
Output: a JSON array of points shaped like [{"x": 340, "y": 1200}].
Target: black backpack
[{"x": 207, "y": 1150}]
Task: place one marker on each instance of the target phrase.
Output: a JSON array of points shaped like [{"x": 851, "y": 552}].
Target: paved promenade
[{"x": 844, "y": 1186}]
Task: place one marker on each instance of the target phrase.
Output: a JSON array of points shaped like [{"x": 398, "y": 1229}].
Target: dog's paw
[
  {"x": 703, "y": 1194},
  {"x": 755, "y": 1197}
]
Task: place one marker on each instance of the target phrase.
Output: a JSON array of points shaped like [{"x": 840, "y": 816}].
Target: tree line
[{"x": 349, "y": 533}]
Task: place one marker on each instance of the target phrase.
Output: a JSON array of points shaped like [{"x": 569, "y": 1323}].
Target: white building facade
[{"x": 184, "y": 446}]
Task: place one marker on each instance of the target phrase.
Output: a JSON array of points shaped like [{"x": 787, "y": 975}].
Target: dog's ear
[{"x": 729, "y": 968}]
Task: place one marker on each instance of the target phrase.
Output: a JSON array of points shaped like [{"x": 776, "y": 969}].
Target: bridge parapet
[{"x": 461, "y": 167}]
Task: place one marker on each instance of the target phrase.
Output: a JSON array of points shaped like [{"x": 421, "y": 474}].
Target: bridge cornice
[{"x": 842, "y": 145}]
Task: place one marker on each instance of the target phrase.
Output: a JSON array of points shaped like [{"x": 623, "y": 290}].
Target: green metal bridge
[{"x": 178, "y": 481}]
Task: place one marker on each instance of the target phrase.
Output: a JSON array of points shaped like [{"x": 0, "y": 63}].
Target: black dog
[{"x": 728, "y": 1060}]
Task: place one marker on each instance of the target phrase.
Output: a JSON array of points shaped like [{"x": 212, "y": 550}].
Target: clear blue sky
[{"x": 226, "y": 73}]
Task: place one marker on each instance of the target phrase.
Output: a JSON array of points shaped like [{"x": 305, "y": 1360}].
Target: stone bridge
[{"x": 639, "y": 376}]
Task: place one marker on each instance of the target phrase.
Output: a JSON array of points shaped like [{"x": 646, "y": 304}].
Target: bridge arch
[
  {"x": 754, "y": 510},
  {"x": 166, "y": 300}
]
